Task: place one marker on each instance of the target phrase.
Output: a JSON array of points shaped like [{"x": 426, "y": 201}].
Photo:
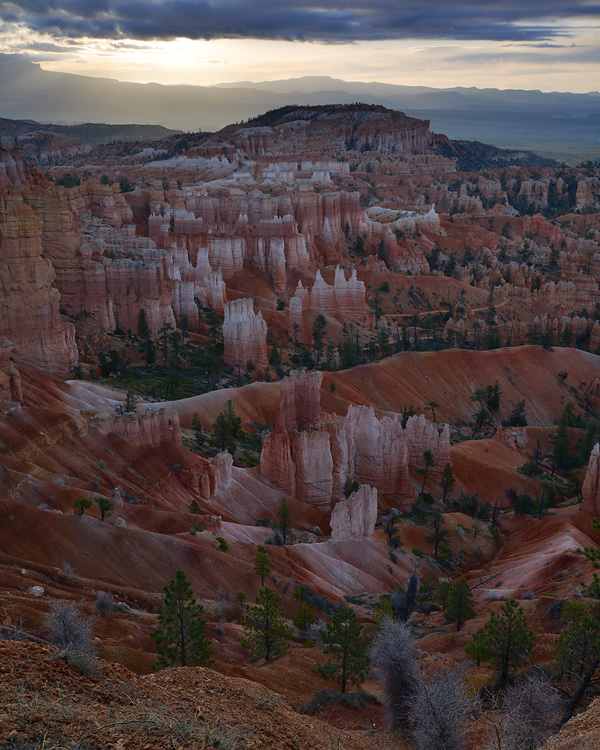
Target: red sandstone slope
[{"x": 449, "y": 377}]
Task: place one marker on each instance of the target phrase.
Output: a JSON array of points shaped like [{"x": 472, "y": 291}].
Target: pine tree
[
  {"x": 448, "y": 481},
  {"x": 143, "y": 327},
  {"x": 198, "y": 431},
  {"x": 266, "y": 631},
  {"x": 304, "y": 616},
  {"x": 477, "y": 647},
  {"x": 285, "y": 522},
  {"x": 180, "y": 639},
  {"x": 226, "y": 429},
  {"x": 507, "y": 639},
  {"x": 428, "y": 460},
  {"x": 81, "y": 504},
  {"x": 459, "y": 604},
  {"x": 105, "y": 505},
  {"x": 262, "y": 564},
  {"x": 561, "y": 453},
  {"x": 440, "y": 534},
  {"x": 345, "y": 640}
]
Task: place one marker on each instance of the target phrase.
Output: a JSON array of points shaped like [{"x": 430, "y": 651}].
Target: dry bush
[
  {"x": 531, "y": 709},
  {"x": 68, "y": 628},
  {"x": 104, "y": 604},
  {"x": 438, "y": 711}
]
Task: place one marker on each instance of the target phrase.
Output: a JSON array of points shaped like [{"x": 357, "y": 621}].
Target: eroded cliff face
[
  {"x": 312, "y": 461},
  {"x": 29, "y": 301},
  {"x": 353, "y": 518},
  {"x": 591, "y": 483},
  {"x": 147, "y": 430},
  {"x": 244, "y": 335},
  {"x": 10, "y": 377}
]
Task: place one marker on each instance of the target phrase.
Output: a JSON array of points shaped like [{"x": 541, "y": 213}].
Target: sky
[{"x": 538, "y": 44}]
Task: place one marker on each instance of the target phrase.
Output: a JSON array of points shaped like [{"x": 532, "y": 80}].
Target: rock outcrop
[
  {"x": 10, "y": 377},
  {"x": 29, "y": 303},
  {"x": 353, "y": 518},
  {"x": 147, "y": 430},
  {"x": 591, "y": 483},
  {"x": 312, "y": 461},
  {"x": 299, "y": 400},
  {"x": 244, "y": 335}
]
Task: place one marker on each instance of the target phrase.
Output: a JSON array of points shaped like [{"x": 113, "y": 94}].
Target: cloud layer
[{"x": 328, "y": 20}]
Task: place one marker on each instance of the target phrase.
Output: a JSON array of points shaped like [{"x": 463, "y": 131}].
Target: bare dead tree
[
  {"x": 438, "y": 711},
  {"x": 394, "y": 655},
  {"x": 524, "y": 715},
  {"x": 68, "y": 628}
]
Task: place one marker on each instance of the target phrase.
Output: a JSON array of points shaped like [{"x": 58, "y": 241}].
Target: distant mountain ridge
[
  {"x": 559, "y": 125},
  {"x": 95, "y": 134}
]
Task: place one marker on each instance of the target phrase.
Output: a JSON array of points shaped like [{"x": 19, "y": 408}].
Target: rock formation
[
  {"x": 591, "y": 483},
  {"x": 312, "y": 461},
  {"x": 299, "y": 400},
  {"x": 244, "y": 335},
  {"x": 147, "y": 430},
  {"x": 353, "y": 518},
  {"x": 29, "y": 303},
  {"x": 10, "y": 378}
]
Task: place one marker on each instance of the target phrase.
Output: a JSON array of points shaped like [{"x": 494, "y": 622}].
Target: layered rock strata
[
  {"x": 147, "y": 430},
  {"x": 29, "y": 303},
  {"x": 353, "y": 519},
  {"x": 244, "y": 335},
  {"x": 313, "y": 461}
]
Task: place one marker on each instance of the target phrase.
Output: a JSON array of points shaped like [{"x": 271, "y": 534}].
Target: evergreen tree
[
  {"x": 285, "y": 522},
  {"x": 561, "y": 453},
  {"x": 262, "y": 564},
  {"x": 517, "y": 417},
  {"x": 448, "y": 481},
  {"x": 345, "y": 640},
  {"x": 266, "y": 631},
  {"x": 459, "y": 604},
  {"x": 198, "y": 431},
  {"x": 81, "y": 504},
  {"x": 226, "y": 429},
  {"x": 433, "y": 405},
  {"x": 304, "y": 616},
  {"x": 143, "y": 327},
  {"x": 428, "y": 461},
  {"x": 180, "y": 640},
  {"x": 507, "y": 639},
  {"x": 318, "y": 331},
  {"x": 105, "y": 505},
  {"x": 440, "y": 534},
  {"x": 578, "y": 649},
  {"x": 477, "y": 647}
]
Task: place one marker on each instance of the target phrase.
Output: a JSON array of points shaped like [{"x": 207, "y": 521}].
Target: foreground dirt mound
[
  {"x": 582, "y": 732},
  {"x": 45, "y": 699}
]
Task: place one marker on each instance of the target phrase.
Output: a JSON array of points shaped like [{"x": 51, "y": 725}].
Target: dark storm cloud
[{"x": 327, "y": 20}]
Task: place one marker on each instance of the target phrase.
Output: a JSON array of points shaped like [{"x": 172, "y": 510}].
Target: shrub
[
  {"x": 439, "y": 709},
  {"x": 104, "y": 604},
  {"x": 223, "y": 545},
  {"x": 68, "y": 628}
]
